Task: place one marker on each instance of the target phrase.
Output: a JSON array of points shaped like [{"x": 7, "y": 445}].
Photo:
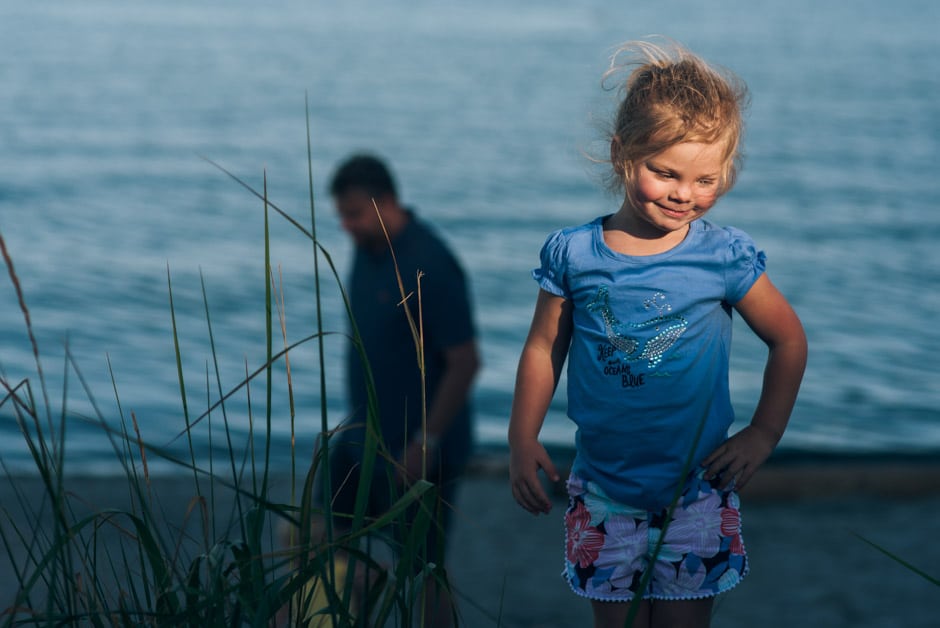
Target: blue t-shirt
[{"x": 648, "y": 362}]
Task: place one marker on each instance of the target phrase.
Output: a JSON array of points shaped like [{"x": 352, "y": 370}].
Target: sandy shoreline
[{"x": 801, "y": 521}]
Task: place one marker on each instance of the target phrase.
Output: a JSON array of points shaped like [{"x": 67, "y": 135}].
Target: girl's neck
[{"x": 626, "y": 233}]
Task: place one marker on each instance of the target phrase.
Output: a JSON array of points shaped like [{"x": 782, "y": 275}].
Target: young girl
[{"x": 640, "y": 304}]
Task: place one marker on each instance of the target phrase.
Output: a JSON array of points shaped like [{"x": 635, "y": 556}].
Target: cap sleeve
[
  {"x": 746, "y": 264},
  {"x": 550, "y": 275}
]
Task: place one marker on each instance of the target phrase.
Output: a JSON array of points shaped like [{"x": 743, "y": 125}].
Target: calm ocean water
[{"x": 487, "y": 112}]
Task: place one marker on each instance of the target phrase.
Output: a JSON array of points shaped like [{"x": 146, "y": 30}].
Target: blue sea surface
[{"x": 492, "y": 114}]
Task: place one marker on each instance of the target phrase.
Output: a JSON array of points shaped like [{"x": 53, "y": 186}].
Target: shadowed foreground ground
[{"x": 800, "y": 520}]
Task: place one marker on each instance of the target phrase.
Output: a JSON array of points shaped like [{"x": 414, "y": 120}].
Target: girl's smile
[{"x": 675, "y": 187}]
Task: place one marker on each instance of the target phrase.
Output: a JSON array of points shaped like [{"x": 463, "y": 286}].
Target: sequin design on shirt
[{"x": 667, "y": 328}]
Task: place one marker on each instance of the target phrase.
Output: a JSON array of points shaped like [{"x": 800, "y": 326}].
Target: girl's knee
[
  {"x": 682, "y": 613},
  {"x": 656, "y": 614},
  {"x": 615, "y": 614}
]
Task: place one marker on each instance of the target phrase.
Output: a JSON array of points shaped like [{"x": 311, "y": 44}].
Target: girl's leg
[
  {"x": 614, "y": 614},
  {"x": 681, "y": 613}
]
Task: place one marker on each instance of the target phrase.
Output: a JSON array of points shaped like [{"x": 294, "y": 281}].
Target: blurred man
[{"x": 449, "y": 346}]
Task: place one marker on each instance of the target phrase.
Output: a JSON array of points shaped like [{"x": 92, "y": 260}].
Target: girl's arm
[
  {"x": 540, "y": 367},
  {"x": 770, "y": 316}
]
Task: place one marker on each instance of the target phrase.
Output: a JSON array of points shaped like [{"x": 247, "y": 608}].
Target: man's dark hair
[{"x": 363, "y": 172}]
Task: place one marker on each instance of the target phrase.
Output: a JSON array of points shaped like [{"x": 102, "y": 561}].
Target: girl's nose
[{"x": 682, "y": 192}]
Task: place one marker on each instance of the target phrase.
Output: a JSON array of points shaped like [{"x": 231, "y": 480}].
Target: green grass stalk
[
  {"x": 179, "y": 374},
  {"x": 910, "y": 567},
  {"x": 225, "y": 421},
  {"x": 657, "y": 550}
]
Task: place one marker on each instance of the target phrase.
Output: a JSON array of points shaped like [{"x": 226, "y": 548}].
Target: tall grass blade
[
  {"x": 923, "y": 574},
  {"x": 18, "y": 289},
  {"x": 323, "y": 441},
  {"x": 218, "y": 383},
  {"x": 677, "y": 495},
  {"x": 179, "y": 374},
  {"x": 321, "y": 353},
  {"x": 242, "y": 384},
  {"x": 269, "y": 339}
]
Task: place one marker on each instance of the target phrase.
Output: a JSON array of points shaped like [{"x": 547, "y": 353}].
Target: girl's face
[{"x": 674, "y": 187}]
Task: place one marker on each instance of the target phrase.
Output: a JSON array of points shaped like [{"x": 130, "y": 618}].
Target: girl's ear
[{"x": 615, "y": 160}]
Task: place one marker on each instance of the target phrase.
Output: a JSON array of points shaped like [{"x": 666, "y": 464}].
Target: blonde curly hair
[{"x": 670, "y": 96}]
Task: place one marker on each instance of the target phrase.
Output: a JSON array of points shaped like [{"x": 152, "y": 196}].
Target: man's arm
[{"x": 461, "y": 363}]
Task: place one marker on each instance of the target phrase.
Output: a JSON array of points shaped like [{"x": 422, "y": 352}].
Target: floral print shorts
[{"x": 609, "y": 546}]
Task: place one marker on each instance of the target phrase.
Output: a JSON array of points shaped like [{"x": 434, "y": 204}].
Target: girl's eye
[
  {"x": 706, "y": 182},
  {"x": 661, "y": 174}
]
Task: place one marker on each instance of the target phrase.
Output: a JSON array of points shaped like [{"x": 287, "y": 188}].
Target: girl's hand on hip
[
  {"x": 739, "y": 457},
  {"x": 525, "y": 462}
]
